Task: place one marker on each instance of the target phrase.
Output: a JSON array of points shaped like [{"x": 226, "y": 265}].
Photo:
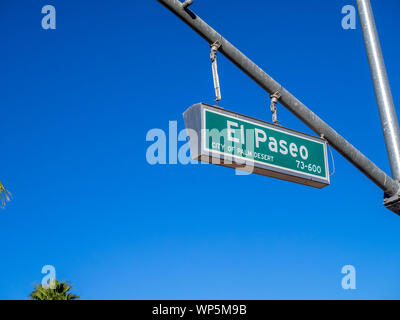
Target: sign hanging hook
[
  {"x": 213, "y": 56},
  {"x": 274, "y": 106}
]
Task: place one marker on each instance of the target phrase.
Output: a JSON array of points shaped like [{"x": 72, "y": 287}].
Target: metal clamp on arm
[
  {"x": 392, "y": 203},
  {"x": 187, "y": 3}
]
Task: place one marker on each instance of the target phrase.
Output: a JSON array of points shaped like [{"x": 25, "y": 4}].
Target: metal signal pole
[
  {"x": 360, "y": 161},
  {"x": 387, "y": 111}
]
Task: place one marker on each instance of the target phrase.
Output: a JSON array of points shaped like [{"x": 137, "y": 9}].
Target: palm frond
[
  {"x": 60, "y": 292},
  {"x": 5, "y": 196}
]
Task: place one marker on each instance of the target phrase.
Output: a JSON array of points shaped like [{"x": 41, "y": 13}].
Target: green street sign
[{"x": 229, "y": 139}]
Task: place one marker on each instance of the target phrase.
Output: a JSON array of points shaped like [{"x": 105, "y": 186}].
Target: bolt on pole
[
  {"x": 353, "y": 155},
  {"x": 383, "y": 93}
]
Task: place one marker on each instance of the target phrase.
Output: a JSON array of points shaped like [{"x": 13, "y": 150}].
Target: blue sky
[{"x": 78, "y": 101}]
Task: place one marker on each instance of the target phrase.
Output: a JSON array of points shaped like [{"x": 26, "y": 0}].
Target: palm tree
[
  {"x": 60, "y": 292},
  {"x": 5, "y": 196}
]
